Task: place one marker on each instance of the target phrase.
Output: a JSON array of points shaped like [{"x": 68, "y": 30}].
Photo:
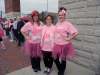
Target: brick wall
[
  {"x": 12, "y": 6},
  {"x": 16, "y": 5},
  {"x": 8, "y": 6},
  {"x": 85, "y": 16}
]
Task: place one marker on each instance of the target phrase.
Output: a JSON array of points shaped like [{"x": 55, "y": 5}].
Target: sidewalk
[
  {"x": 15, "y": 62},
  {"x": 72, "y": 69},
  {"x": 12, "y": 58}
]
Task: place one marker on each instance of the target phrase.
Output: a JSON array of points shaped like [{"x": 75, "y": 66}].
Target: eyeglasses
[
  {"x": 48, "y": 19},
  {"x": 36, "y": 15},
  {"x": 60, "y": 15}
]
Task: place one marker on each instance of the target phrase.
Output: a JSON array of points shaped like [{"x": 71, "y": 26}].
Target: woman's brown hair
[
  {"x": 61, "y": 8},
  {"x": 51, "y": 16}
]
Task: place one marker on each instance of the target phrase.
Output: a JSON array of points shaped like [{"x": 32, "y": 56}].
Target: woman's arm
[
  {"x": 24, "y": 34},
  {"x": 72, "y": 36}
]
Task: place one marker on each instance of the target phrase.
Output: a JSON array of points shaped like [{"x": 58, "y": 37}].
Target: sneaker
[
  {"x": 15, "y": 41},
  {"x": 2, "y": 48},
  {"x": 35, "y": 70},
  {"x": 39, "y": 69},
  {"x": 45, "y": 71},
  {"x": 48, "y": 72},
  {"x": 11, "y": 40},
  {"x": 60, "y": 73}
]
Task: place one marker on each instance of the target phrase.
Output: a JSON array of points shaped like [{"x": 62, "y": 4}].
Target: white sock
[
  {"x": 48, "y": 70},
  {"x": 45, "y": 69}
]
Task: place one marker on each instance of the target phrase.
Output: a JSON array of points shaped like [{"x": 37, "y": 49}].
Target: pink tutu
[
  {"x": 1, "y": 33},
  {"x": 63, "y": 51},
  {"x": 34, "y": 50}
]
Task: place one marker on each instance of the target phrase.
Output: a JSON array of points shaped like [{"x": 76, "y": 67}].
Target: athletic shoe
[
  {"x": 11, "y": 40},
  {"x": 35, "y": 70},
  {"x": 2, "y": 48},
  {"x": 39, "y": 69}
]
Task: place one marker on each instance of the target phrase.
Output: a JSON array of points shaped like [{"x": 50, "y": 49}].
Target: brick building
[{"x": 12, "y": 8}]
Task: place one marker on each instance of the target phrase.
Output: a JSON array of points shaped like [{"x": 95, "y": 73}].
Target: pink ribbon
[{"x": 63, "y": 11}]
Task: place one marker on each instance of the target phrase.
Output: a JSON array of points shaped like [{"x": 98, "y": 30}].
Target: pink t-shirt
[
  {"x": 6, "y": 24},
  {"x": 46, "y": 39},
  {"x": 10, "y": 24},
  {"x": 62, "y": 30},
  {"x": 34, "y": 31}
]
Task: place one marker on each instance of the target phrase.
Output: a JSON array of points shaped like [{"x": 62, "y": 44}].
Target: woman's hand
[
  {"x": 67, "y": 38},
  {"x": 27, "y": 37},
  {"x": 70, "y": 37}
]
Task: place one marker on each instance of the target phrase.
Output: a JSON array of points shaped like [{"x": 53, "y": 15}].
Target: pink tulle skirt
[
  {"x": 1, "y": 33},
  {"x": 63, "y": 51},
  {"x": 34, "y": 50}
]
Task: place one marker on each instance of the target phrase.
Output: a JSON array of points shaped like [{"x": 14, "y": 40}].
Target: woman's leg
[
  {"x": 14, "y": 37},
  {"x": 11, "y": 34},
  {"x": 33, "y": 62},
  {"x": 63, "y": 67},
  {"x": 45, "y": 59},
  {"x": 50, "y": 60},
  {"x": 38, "y": 63},
  {"x": 2, "y": 43},
  {"x": 16, "y": 34},
  {"x": 58, "y": 64},
  {"x": 6, "y": 31}
]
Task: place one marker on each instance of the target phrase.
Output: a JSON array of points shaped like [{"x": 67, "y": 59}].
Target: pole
[
  {"x": 1, "y": 14},
  {"x": 47, "y": 5}
]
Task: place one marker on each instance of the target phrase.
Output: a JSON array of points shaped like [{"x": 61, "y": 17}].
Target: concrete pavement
[{"x": 72, "y": 69}]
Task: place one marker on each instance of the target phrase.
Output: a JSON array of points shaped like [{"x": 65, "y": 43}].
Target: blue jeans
[{"x": 13, "y": 36}]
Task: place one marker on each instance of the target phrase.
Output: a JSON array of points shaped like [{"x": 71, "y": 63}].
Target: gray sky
[{"x": 28, "y": 5}]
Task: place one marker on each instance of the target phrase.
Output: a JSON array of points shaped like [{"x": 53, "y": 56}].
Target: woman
[
  {"x": 11, "y": 30},
  {"x": 47, "y": 43},
  {"x": 6, "y": 25},
  {"x": 63, "y": 48},
  {"x": 32, "y": 44},
  {"x": 1, "y": 35}
]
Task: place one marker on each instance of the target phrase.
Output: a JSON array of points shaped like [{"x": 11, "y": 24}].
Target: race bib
[
  {"x": 36, "y": 37},
  {"x": 47, "y": 39},
  {"x": 57, "y": 35},
  {"x": 59, "y": 27}
]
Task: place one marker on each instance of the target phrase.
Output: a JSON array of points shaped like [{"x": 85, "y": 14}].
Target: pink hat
[{"x": 34, "y": 12}]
